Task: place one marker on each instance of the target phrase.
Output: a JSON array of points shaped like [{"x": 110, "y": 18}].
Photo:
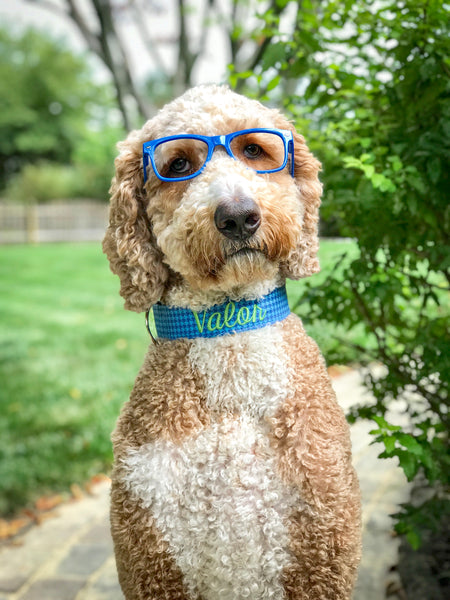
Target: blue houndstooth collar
[{"x": 222, "y": 319}]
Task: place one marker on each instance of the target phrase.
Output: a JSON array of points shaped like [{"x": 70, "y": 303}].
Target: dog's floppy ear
[
  {"x": 129, "y": 242},
  {"x": 303, "y": 260}
]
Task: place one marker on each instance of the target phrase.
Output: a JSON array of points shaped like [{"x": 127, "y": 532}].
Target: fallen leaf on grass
[
  {"x": 89, "y": 486},
  {"x": 77, "y": 492},
  {"x": 338, "y": 370},
  {"x": 99, "y": 478},
  {"x": 10, "y": 528},
  {"x": 49, "y": 502}
]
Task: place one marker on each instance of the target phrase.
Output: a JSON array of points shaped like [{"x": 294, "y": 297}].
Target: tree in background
[
  {"x": 98, "y": 26},
  {"x": 241, "y": 25}
]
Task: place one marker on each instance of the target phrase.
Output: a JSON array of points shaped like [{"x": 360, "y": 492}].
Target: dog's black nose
[{"x": 237, "y": 219}]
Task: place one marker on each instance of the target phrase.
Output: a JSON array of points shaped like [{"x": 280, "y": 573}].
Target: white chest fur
[
  {"x": 216, "y": 498},
  {"x": 244, "y": 373}
]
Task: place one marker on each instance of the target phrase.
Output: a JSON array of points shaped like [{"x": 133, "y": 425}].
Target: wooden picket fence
[{"x": 59, "y": 221}]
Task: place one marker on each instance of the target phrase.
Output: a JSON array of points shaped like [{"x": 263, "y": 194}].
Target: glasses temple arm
[
  {"x": 145, "y": 164},
  {"x": 291, "y": 152}
]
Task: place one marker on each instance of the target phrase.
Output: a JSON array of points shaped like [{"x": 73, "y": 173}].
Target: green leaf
[
  {"x": 408, "y": 463},
  {"x": 389, "y": 443},
  {"x": 369, "y": 171},
  {"x": 308, "y": 41},
  {"x": 434, "y": 169},
  {"x": 414, "y": 539},
  {"x": 416, "y": 183},
  {"x": 275, "y": 53},
  {"x": 274, "y": 83},
  {"x": 411, "y": 444},
  {"x": 352, "y": 162},
  {"x": 383, "y": 424},
  {"x": 397, "y": 164}
]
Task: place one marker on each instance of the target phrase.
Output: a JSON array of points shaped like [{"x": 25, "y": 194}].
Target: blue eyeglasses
[{"x": 182, "y": 157}]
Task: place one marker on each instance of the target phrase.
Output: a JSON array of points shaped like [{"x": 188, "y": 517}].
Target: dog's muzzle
[{"x": 238, "y": 218}]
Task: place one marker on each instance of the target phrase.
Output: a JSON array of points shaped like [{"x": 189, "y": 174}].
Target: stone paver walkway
[{"x": 69, "y": 557}]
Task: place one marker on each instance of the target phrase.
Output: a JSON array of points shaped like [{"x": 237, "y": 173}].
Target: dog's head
[{"x": 229, "y": 225}]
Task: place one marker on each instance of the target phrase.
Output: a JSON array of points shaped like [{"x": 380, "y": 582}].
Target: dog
[{"x": 232, "y": 471}]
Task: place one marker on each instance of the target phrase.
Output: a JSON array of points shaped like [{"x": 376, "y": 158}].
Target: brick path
[
  {"x": 69, "y": 557},
  {"x": 66, "y": 557}
]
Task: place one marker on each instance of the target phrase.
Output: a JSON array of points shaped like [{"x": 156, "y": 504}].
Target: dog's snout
[{"x": 237, "y": 219}]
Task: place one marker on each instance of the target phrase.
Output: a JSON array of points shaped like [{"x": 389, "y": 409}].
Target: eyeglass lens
[{"x": 184, "y": 157}]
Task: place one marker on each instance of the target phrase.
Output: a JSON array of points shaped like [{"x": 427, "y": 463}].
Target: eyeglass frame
[{"x": 212, "y": 141}]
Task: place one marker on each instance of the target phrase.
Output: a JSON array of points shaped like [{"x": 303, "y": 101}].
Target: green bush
[
  {"x": 93, "y": 159},
  {"x": 368, "y": 83},
  {"x": 89, "y": 175},
  {"x": 43, "y": 182}
]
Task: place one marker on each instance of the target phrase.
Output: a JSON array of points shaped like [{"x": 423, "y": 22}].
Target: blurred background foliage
[
  {"x": 367, "y": 82},
  {"x": 57, "y": 131}
]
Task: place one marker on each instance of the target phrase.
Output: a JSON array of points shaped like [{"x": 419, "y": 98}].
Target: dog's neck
[{"x": 181, "y": 295}]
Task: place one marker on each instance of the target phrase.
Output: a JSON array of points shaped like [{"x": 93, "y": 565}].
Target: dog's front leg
[
  {"x": 145, "y": 567},
  {"x": 311, "y": 438},
  {"x": 165, "y": 404}
]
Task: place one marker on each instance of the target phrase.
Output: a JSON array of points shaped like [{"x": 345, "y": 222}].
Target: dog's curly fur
[{"x": 232, "y": 474}]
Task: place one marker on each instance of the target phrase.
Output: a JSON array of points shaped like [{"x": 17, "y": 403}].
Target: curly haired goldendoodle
[{"x": 233, "y": 475}]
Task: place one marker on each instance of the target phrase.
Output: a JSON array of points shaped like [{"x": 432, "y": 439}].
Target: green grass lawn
[{"x": 69, "y": 354}]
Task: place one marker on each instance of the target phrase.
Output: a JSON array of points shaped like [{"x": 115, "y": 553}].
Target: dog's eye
[
  {"x": 253, "y": 151},
  {"x": 179, "y": 167}
]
